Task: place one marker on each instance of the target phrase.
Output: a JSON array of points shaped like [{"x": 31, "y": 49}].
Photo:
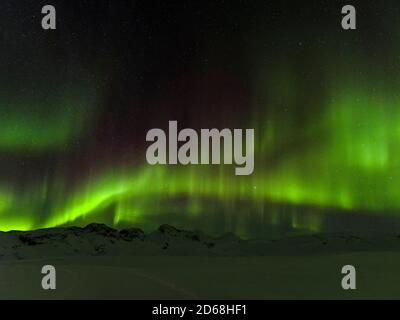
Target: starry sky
[{"x": 76, "y": 104}]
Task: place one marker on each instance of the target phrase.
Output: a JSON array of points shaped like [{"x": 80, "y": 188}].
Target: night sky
[{"x": 76, "y": 104}]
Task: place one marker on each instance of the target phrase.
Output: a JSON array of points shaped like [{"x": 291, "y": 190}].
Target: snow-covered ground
[{"x": 99, "y": 262}]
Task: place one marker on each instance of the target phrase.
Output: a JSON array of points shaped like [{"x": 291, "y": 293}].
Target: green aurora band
[
  {"x": 356, "y": 167},
  {"x": 346, "y": 156},
  {"x": 44, "y": 122}
]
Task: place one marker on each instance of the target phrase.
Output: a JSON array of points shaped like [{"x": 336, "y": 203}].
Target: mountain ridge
[{"x": 102, "y": 240}]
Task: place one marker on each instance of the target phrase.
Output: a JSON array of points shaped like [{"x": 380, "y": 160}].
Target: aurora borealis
[{"x": 76, "y": 103}]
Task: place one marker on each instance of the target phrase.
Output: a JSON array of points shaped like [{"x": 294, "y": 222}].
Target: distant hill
[{"x": 101, "y": 240}]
